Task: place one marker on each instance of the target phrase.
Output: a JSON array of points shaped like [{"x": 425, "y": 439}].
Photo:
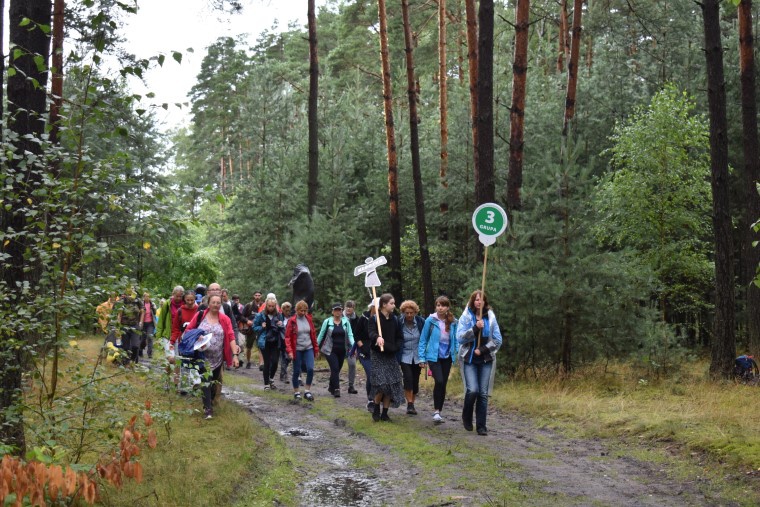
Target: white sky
[{"x": 164, "y": 26}]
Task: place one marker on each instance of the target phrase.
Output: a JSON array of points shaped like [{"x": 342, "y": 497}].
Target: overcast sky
[{"x": 164, "y": 26}]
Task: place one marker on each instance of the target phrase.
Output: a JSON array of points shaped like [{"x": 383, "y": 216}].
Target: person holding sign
[
  {"x": 385, "y": 373},
  {"x": 479, "y": 338}
]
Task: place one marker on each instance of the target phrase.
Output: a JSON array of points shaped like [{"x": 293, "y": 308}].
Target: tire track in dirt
[{"x": 535, "y": 464}]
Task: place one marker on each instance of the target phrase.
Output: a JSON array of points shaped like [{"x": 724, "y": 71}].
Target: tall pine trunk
[
  {"x": 419, "y": 196},
  {"x": 26, "y": 109},
  {"x": 443, "y": 103},
  {"x": 313, "y": 122},
  {"x": 390, "y": 139},
  {"x": 572, "y": 65},
  {"x": 56, "y": 86},
  {"x": 723, "y": 342},
  {"x": 472, "y": 60},
  {"x": 750, "y": 257},
  {"x": 485, "y": 186},
  {"x": 563, "y": 39},
  {"x": 517, "y": 112}
]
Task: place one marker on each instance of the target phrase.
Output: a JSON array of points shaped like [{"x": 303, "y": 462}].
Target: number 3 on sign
[{"x": 490, "y": 221}]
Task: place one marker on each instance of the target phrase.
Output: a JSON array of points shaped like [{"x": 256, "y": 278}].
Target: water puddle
[
  {"x": 342, "y": 488},
  {"x": 300, "y": 433}
]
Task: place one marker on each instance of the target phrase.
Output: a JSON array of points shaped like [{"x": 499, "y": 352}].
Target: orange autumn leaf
[
  {"x": 147, "y": 404},
  {"x": 55, "y": 481},
  {"x": 147, "y": 419},
  {"x": 90, "y": 492},
  {"x": 138, "y": 472},
  {"x": 70, "y": 480},
  {"x": 152, "y": 439}
]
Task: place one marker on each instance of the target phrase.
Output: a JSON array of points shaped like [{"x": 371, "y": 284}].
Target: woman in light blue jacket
[
  {"x": 335, "y": 340},
  {"x": 438, "y": 350},
  {"x": 479, "y": 338}
]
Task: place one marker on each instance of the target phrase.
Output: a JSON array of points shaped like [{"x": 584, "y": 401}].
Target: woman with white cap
[{"x": 335, "y": 340}]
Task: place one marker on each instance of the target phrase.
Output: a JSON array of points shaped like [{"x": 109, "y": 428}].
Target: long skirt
[{"x": 386, "y": 378}]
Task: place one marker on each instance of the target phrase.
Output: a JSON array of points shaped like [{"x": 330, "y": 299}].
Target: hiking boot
[
  {"x": 376, "y": 412},
  {"x": 248, "y": 365},
  {"x": 351, "y": 390},
  {"x": 467, "y": 424},
  {"x": 482, "y": 431},
  {"x": 410, "y": 410},
  {"x": 385, "y": 417},
  {"x": 272, "y": 386},
  {"x": 370, "y": 406},
  {"x": 336, "y": 393},
  {"x": 437, "y": 418}
]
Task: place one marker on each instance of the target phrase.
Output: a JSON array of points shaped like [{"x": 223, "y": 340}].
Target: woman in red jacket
[
  {"x": 301, "y": 347},
  {"x": 221, "y": 349}
]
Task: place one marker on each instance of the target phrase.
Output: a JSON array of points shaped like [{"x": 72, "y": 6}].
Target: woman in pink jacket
[
  {"x": 301, "y": 347},
  {"x": 221, "y": 349}
]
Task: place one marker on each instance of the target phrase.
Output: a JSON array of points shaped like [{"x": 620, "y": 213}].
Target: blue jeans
[
  {"x": 477, "y": 378},
  {"x": 305, "y": 357},
  {"x": 367, "y": 365}
]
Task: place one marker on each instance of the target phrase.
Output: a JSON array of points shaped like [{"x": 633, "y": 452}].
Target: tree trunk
[
  {"x": 313, "y": 123},
  {"x": 472, "y": 59},
  {"x": 750, "y": 255},
  {"x": 419, "y": 196},
  {"x": 485, "y": 187},
  {"x": 572, "y": 65},
  {"x": 26, "y": 109},
  {"x": 56, "y": 86},
  {"x": 443, "y": 102},
  {"x": 390, "y": 138},
  {"x": 563, "y": 38},
  {"x": 723, "y": 343},
  {"x": 517, "y": 113}
]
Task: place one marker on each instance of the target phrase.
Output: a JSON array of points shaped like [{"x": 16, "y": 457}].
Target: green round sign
[{"x": 490, "y": 221}]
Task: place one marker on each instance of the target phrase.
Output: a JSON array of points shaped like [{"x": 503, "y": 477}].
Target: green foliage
[{"x": 657, "y": 199}]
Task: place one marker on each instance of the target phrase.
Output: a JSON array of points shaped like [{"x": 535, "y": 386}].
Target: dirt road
[{"x": 347, "y": 459}]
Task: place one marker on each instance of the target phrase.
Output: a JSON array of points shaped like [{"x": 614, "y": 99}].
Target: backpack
[
  {"x": 745, "y": 368},
  {"x": 187, "y": 342}
]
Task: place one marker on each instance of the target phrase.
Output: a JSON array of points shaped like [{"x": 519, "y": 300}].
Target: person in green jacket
[{"x": 168, "y": 313}]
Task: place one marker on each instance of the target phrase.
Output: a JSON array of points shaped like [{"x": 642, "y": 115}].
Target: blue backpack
[
  {"x": 745, "y": 368},
  {"x": 187, "y": 342}
]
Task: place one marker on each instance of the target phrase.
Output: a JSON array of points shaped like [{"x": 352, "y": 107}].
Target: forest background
[{"x": 616, "y": 233}]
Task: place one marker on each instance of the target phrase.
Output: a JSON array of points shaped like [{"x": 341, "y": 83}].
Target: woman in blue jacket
[
  {"x": 335, "y": 340},
  {"x": 479, "y": 338},
  {"x": 438, "y": 350}
]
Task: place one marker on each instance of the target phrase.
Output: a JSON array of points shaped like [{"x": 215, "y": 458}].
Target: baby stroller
[{"x": 191, "y": 357}]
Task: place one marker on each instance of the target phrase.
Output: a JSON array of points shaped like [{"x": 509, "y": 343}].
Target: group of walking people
[{"x": 394, "y": 347}]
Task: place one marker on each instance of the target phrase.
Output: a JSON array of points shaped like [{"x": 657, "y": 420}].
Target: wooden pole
[
  {"x": 377, "y": 316},
  {"x": 483, "y": 290}
]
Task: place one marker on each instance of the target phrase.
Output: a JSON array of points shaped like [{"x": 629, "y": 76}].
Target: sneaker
[
  {"x": 208, "y": 413},
  {"x": 385, "y": 417},
  {"x": 410, "y": 410},
  {"x": 351, "y": 390},
  {"x": 336, "y": 393},
  {"x": 437, "y": 418},
  {"x": 266, "y": 388},
  {"x": 376, "y": 412},
  {"x": 482, "y": 431},
  {"x": 308, "y": 396},
  {"x": 370, "y": 406},
  {"x": 297, "y": 396},
  {"x": 272, "y": 386}
]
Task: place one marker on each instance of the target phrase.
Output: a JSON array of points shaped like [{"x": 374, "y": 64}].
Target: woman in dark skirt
[{"x": 387, "y": 387}]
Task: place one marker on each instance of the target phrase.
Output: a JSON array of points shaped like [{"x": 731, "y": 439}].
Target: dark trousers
[
  {"x": 284, "y": 360},
  {"x": 335, "y": 360},
  {"x": 209, "y": 385},
  {"x": 271, "y": 357},
  {"x": 440, "y": 369},
  {"x": 411, "y": 373}
]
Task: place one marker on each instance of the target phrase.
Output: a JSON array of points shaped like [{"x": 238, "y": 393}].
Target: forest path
[{"x": 344, "y": 458}]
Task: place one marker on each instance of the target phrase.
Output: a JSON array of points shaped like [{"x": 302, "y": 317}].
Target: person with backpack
[
  {"x": 386, "y": 372},
  {"x": 249, "y": 314},
  {"x": 269, "y": 326},
  {"x": 183, "y": 317},
  {"x": 363, "y": 350},
  {"x": 437, "y": 350},
  {"x": 335, "y": 340},
  {"x": 168, "y": 313},
  {"x": 129, "y": 314},
  {"x": 222, "y": 349},
  {"x": 301, "y": 348},
  {"x": 479, "y": 338}
]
